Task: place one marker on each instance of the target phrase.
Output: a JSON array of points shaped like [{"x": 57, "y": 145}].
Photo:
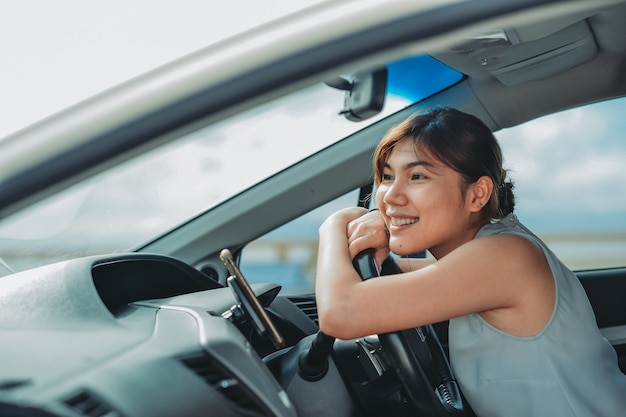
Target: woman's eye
[
  {"x": 387, "y": 177},
  {"x": 416, "y": 177}
]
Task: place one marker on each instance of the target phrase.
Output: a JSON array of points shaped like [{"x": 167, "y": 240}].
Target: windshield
[{"x": 151, "y": 194}]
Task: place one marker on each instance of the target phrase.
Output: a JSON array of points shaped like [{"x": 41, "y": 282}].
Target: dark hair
[{"x": 458, "y": 140}]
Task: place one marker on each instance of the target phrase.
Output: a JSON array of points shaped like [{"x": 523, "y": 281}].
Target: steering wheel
[{"x": 419, "y": 360}]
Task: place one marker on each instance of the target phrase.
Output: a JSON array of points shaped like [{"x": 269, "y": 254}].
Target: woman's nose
[{"x": 395, "y": 194}]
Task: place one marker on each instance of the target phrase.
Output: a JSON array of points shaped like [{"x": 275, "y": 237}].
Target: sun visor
[{"x": 539, "y": 59}]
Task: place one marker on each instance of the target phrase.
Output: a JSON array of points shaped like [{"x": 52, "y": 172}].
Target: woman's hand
[
  {"x": 340, "y": 219},
  {"x": 361, "y": 229},
  {"x": 369, "y": 231}
]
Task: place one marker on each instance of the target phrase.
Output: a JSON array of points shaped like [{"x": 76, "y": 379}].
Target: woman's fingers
[{"x": 368, "y": 231}]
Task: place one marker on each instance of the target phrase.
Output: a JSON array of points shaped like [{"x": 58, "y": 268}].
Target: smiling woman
[{"x": 441, "y": 187}]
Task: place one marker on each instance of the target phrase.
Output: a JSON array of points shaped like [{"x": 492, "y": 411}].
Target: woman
[{"x": 523, "y": 338}]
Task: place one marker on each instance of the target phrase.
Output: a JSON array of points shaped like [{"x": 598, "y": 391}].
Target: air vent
[
  {"x": 89, "y": 405},
  {"x": 222, "y": 380},
  {"x": 307, "y": 305}
]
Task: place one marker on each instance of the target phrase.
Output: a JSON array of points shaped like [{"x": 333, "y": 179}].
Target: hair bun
[{"x": 506, "y": 198}]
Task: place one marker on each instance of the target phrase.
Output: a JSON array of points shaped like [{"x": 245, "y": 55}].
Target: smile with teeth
[{"x": 395, "y": 221}]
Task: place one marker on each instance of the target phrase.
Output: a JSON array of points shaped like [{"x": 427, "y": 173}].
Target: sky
[
  {"x": 571, "y": 165},
  {"x": 56, "y": 53}
]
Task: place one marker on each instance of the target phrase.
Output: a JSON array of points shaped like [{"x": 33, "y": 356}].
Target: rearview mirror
[{"x": 364, "y": 93}]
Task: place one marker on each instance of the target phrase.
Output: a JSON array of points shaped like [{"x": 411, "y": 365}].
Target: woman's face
[{"x": 423, "y": 203}]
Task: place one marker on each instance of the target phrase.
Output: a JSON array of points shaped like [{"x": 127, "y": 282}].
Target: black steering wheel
[{"x": 419, "y": 360}]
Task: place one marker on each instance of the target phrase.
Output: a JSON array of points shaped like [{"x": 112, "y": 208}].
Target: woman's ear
[{"x": 479, "y": 193}]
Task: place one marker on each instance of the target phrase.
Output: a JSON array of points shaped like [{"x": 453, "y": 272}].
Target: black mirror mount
[{"x": 364, "y": 93}]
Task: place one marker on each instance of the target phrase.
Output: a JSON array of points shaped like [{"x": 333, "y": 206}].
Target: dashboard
[
  {"x": 133, "y": 335},
  {"x": 136, "y": 335}
]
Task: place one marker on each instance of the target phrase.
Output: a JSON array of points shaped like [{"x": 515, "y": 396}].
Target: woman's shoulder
[
  {"x": 510, "y": 258},
  {"x": 519, "y": 273},
  {"x": 510, "y": 247}
]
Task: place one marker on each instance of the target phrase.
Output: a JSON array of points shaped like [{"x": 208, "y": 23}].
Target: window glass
[
  {"x": 144, "y": 197},
  {"x": 568, "y": 171},
  {"x": 288, "y": 255},
  {"x": 417, "y": 77}
]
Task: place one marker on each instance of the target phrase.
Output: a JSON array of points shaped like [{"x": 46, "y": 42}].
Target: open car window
[
  {"x": 570, "y": 190},
  {"x": 579, "y": 212}
]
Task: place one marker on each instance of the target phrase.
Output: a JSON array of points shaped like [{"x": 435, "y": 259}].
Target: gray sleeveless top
[{"x": 568, "y": 369}]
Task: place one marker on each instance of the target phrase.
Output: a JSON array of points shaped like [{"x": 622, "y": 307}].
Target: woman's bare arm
[{"x": 502, "y": 276}]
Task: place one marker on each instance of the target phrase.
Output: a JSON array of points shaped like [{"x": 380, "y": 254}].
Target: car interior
[{"x": 170, "y": 328}]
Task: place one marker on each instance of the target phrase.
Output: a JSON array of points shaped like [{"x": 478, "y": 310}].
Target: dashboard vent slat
[
  {"x": 86, "y": 404},
  {"x": 307, "y": 305},
  {"x": 219, "y": 378}
]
